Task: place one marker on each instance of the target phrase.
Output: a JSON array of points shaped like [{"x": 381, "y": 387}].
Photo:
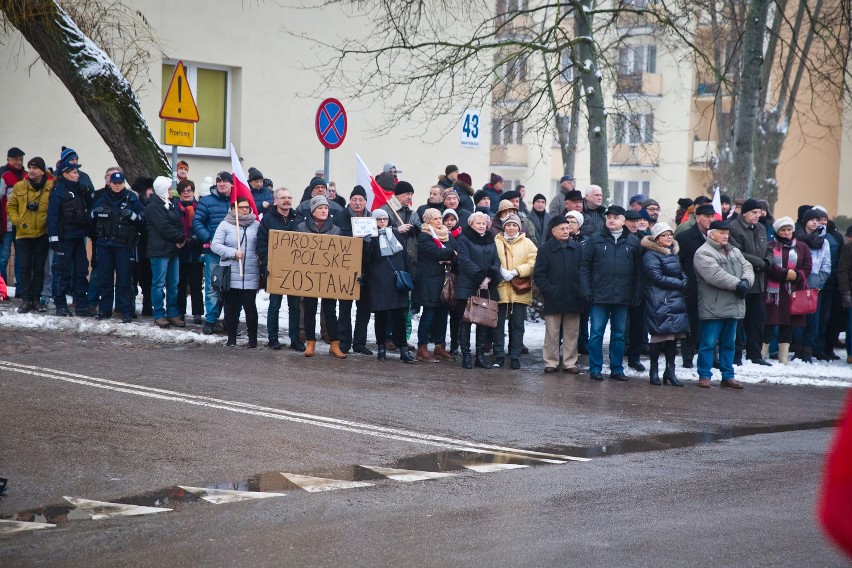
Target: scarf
[
  {"x": 510, "y": 239},
  {"x": 814, "y": 240},
  {"x": 456, "y": 232},
  {"x": 388, "y": 244},
  {"x": 440, "y": 235},
  {"x": 40, "y": 185},
  {"x": 245, "y": 220},
  {"x": 773, "y": 289},
  {"x": 187, "y": 212}
]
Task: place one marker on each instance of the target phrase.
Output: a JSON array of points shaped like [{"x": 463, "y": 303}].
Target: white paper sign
[
  {"x": 364, "y": 227},
  {"x": 470, "y": 128}
]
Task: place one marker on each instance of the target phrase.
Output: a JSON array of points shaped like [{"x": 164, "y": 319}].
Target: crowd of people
[{"x": 719, "y": 286}]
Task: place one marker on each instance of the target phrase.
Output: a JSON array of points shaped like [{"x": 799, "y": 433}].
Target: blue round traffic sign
[{"x": 331, "y": 123}]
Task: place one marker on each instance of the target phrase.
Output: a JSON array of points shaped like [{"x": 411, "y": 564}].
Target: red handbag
[{"x": 804, "y": 302}]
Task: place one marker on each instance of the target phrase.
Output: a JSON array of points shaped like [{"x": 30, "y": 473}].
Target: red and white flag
[
  {"x": 717, "y": 204},
  {"x": 240, "y": 186},
  {"x": 376, "y": 196}
]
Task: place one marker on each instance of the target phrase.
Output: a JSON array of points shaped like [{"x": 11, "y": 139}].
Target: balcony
[
  {"x": 634, "y": 155},
  {"x": 703, "y": 151},
  {"x": 509, "y": 155},
  {"x": 647, "y": 84}
]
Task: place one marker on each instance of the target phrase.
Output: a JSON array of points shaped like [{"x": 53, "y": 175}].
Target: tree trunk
[
  {"x": 770, "y": 140},
  {"x": 590, "y": 81},
  {"x": 745, "y": 121},
  {"x": 98, "y": 87}
]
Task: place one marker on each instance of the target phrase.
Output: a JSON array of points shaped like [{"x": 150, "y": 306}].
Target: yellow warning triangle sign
[{"x": 179, "y": 103}]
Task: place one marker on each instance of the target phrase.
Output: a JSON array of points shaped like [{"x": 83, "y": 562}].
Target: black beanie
[
  {"x": 403, "y": 187},
  {"x": 254, "y": 174},
  {"x": 811, "y": 213},
  {"x": 538, "y": 196},
  {"x": 358, "y": 190},
  {"x": 37, "y": 162},
  {"x": 479, "y": 196},
  {"x": 749, "y": 205}
]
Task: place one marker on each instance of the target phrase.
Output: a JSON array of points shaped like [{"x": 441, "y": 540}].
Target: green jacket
[{"x": 718, "y": 270}]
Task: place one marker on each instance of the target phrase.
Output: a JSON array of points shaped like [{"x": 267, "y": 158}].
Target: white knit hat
[{"x": 783, "y": 222}]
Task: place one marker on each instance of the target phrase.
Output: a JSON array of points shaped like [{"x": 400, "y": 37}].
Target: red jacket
[
  {"x": 835, "y": 502},
  {"x": 8, "y": 179}
]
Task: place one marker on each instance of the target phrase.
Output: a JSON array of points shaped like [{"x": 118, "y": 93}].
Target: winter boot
[
  {"x": 335, "y": 351},
  {"x": 310, "y": 347},
  {"x": 654, "y": 355},
  {"x": 25, "y": 307},
  {"x": 381, "y": 354},
  {"x": 442, "y": 353},
  {"x": 669, "y": 374},
  {"x": 406, "y": 357},
  {"x": 424, "y": 355},
  {"x": 466, "y": 362},
  {"x": 784, "y": 353}
]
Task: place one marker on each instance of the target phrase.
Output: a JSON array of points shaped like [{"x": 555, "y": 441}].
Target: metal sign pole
[
  {"x": 326, "y": 160},
  {"x": 174, "y": 168}
]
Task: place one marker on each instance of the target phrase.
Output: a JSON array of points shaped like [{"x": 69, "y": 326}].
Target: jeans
[
  {"x": 47, "y": 285},
  {"x": 165, "y": 272},
  {"x": 725, "y": 331},
  {"x": 274, "y": 309},
  {"x": 515, "y": 313},
  {"x": 433, "y": 325},
  {"x": 115, "y": 265},
  {"x": 6, "y": 252},
  {"x": 599, "y": 314},
  {"x": 73, "y": 260},
  {"x": 30, "y": 255},
  {"x": 212, "y": 301}
]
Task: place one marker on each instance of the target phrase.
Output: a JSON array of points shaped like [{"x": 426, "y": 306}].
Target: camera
[{"x": 32, "y": 205}]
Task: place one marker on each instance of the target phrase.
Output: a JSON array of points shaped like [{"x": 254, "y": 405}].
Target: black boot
[
  {"x": 654, "y": 355},
  {"x": 479, "y": 361},
  {"x": 381, "y": 355},
  {"x": 669, "y": 374},
  {"x": 466, "y": 361},
  {"x": 405, "y": 355}
]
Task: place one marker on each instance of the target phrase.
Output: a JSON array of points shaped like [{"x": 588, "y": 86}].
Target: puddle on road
[{"x": 439, "y": 462}]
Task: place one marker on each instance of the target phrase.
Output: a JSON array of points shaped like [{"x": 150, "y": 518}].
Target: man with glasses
[
  {"x": 282, "y": 217},
  {"x": 652, "y": 207},
  {"x": 211, "y": 210}
]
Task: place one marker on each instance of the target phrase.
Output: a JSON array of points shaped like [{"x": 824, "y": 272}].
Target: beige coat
[{"x": 522, "y": 253}]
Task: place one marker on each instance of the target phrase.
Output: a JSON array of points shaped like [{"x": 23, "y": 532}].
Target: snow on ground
[{"x": 833, "y": 374}]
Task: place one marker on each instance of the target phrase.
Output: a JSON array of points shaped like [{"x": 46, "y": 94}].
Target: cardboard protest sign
[
  {"x": 314, "y": 266},
  {"x": 364, "y": 227}
]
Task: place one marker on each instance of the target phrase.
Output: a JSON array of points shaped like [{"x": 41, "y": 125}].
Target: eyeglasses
[
  {"x": 244, "y": 207},
  {"x": 187, "y": 190},
  {"x": 652, "y": 208}
]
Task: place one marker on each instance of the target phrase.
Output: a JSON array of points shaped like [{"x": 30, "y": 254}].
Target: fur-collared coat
[{"x": 665, "y": 283}]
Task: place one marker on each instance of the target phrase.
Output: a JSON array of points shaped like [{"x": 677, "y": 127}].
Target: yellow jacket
[
  {"x": 29, "y": 224},
  {"x": 522, "y": 252}
]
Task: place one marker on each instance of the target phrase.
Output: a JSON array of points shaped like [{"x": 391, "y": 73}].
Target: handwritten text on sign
[{"x": 314, "y": 266}]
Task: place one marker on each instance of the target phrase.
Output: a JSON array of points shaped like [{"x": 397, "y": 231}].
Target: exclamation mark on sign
[{"x": 180, "y": 89}]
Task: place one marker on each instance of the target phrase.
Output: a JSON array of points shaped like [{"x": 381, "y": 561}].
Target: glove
[
  {"x": 485, "y": 282},
  {"x": 846, "y": 300},
  {"x": 636, "y": 301},
  {"x": 742, "y": 288},
  {"x": 362, "y": 281},
  {"x": 506, "y": 274},
  {"x": 56, "y": 247},
  {"x": 128, "y": 215}
]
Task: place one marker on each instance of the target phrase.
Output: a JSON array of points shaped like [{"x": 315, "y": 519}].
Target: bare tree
[{"x": 101, "y": 91}]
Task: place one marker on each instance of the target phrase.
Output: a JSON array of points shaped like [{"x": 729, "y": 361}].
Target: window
[
  {"x": 514, "y": 70},
  {"x": 633, "y": 129},
  {"x": 622, "y": 191},
  {"x": 636, "y": 59},
  {"x": 211, "y": 87},
  {"x": 566, "y": 66},
  {"x": 505, "y": 131}
]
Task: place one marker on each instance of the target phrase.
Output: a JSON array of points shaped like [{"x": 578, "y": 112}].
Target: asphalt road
[{"x": 745, "y": 501}]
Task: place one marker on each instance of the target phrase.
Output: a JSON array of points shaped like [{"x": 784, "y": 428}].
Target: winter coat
[
  {"x": 430, "y": 271},
  {"x": 59, "y": 227},
  {"x": 718, "y": 270},
  {"x": 753, "y": 243},
  {"x": 273, "y": 221},
  {"x": 611, "y": 271},
  {"x": 29, "y": 224},
  {"x": 664, "y": 282},
  {"x": 224, "y": 244},
  {"x": 209, "y": 213},
  {"x": 477, "y": 260},
  {"x": 381, "y": 280},
  {"x": 594, "y": 220},
  {"x": 844, "y": 270},
  {"x": 395, "y": 212},
  {"x": 346, "y": 220},
  {"x": 820, "y": 256},
  {"x": 495, "y": 196},
  {"x": 261, "y": 195},
  {"x": 191, "y": 251},
  {"x": 521, "y": 257},
  {"x": 540, "y": 223},
  {"x": 310, "y": 226},
  {"x": 164, "y": 228},
  {"x": 114, "y": 202},
  {"x": 557, "y": 276},
  {"x": 557, "y": 204},
  {"x": 690, "y": 241},
  {"x": 779, "y": 313},
  {"x": 465, "y": 196},
  {"x": 439, "y": 206}
]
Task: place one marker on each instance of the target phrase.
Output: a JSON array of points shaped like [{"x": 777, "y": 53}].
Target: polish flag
[
  {"x": 240, "y": 186},
  {"x": 376, "y": 196},
  {"x": 717, "y": 204}
]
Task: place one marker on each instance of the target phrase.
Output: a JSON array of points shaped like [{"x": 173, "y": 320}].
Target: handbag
[
  {"x": 404, "y": 282},
  {"x": 448, "y": 290},
  {"x": 481, "y": 310},
  {"x": 220, "y": 279},
  {"x": 804, "y": 302},
  {"x": 520, "y": 284}
]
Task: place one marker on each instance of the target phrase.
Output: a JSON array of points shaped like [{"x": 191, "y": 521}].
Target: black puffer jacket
[
  {"x": 430, "y": 273},
  {"x": 477, "y": 259},
  {"x": 557, "y": 276},
  {"x": 665, "y": 282},
  {"x": 611, "y": 272},
  {"x": 163, "y": 228}
]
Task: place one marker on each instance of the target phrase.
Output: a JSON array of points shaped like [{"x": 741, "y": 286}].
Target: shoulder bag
[
  {"x": 404, "y": 282},
  {"x": 481, "y": 310},
  {"x": 448, "y": 290},
  {"x": 520, "y": 284},
  {"x": 804, "y": 302}
]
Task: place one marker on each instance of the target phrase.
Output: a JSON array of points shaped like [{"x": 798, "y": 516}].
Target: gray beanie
[{"x": 318, "y": 200}]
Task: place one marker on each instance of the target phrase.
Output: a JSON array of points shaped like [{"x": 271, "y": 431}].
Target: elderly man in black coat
[
  {"x": 557, "y": 276},
  {"x": 690, "y": 241}
]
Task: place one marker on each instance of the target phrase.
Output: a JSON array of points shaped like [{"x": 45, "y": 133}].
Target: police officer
[
  {"x": 66, "y": 228},
  {"x": 118, "y": 215}
]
